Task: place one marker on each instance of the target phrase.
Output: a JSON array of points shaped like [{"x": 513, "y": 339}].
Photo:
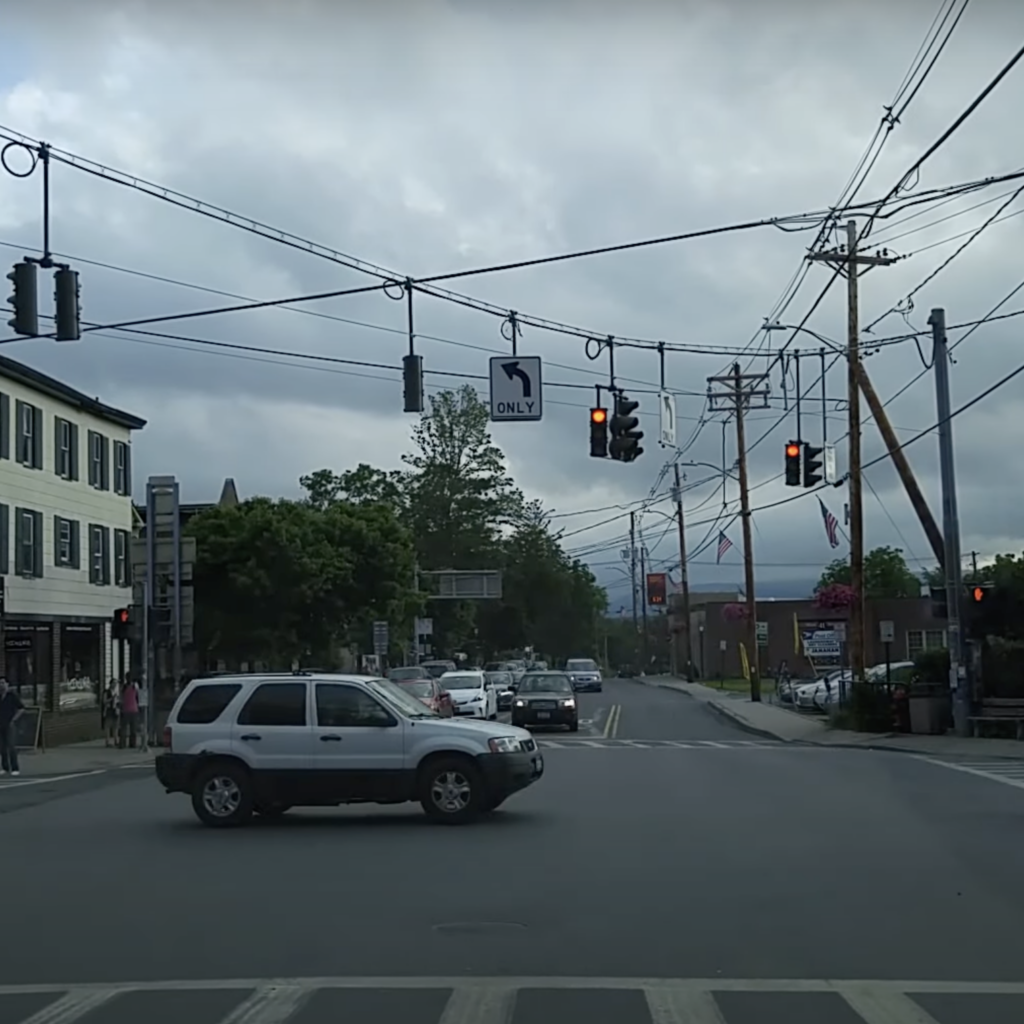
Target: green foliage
[
  {"x": 886, "y": 574},
  {"x": 277, "y": 580}
]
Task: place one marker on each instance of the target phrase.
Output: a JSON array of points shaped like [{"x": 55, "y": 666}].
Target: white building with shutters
[{"x": 66, "y": 521}]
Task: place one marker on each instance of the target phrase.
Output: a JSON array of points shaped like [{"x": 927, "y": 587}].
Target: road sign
[
  {"x": 829, "y": 464},
  {"x": 380, "y": 638},
  {"x": 667, "y": 408},
  {"x": 516, "y": 389},
  {"x": 424, "y": 627},
  {"x": 762, "y": 634},
  {"x": 887, "y": 631}
]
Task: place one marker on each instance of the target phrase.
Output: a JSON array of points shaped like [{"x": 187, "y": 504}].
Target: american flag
[
  {"x": 831, "y": 525},
  {"x": 723, "y": 544}
]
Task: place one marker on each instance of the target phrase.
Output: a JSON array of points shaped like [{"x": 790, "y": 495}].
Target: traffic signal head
[
  {"x": 626, "y": 438},
  {"x": 812, "y": 466},
  {"x": 979, "y": 594},
  {"x": 67, "y": 313},
  {"x": 25, "y": 299},
  {"x": 599, "y": 433},
  {"x": 121, "y": 624},
  {"x": 793, "y": 468}
]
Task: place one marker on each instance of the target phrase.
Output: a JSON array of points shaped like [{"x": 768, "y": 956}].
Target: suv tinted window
[
  {"x": 338, "y": 706},
  {"x": 275, "y": 704},
  {"x": 205, "y": 704}
]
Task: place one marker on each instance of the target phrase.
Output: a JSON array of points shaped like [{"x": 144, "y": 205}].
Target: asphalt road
[{"x": 754, "y": 866}]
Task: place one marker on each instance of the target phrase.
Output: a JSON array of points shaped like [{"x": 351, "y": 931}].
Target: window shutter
[
  {"x": 37, "y": 438},
  {"x": 90, "y": 554},
  {"x": 5, "y": 426},
  {"x": 56, "y": 447},
  {"x": 92, "y": 478},
  {"x": 127, "y": 470},
  {"x": 76, "y": 549},
  {"x": 37, "y": 545},
  {"x": 19, "y": 422},
  {"x": 74, "y": 451},
  {"x": 5, "y": 538},
  {"x": 105, "y": 464},
  {"x": 56, "y": 541},
  {"x": 19, "y": 531},
  {"x": 106, "y": 555}
]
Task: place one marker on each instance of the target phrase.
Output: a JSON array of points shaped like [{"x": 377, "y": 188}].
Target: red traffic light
[
  {"x": 792, "y": 451},
  {"x": 122, "y": 615},
  {"x": 598, "y": 415},
  {"x": 978, "y": 593}
]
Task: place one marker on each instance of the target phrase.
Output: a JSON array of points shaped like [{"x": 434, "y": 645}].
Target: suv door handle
[
  {"x": 251, "y": 736},
  {"x": 330, "y": 738}
]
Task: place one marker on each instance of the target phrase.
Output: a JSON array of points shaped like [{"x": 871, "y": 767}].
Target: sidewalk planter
[{"x": 930, "y": 709}]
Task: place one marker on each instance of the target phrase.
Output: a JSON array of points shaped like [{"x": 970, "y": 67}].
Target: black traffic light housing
[
  {"x": 412, "y": 382},
  {"x": 121, "y": 624},
  {"x": 25, "y": 300},
  {"x": 794, "y": 469},
  {"x": 812, "y": 465},
  {"x": 598, "y": 433},
  {"x": 67, "y": 312},
  {"x": 625, "y": 443}
]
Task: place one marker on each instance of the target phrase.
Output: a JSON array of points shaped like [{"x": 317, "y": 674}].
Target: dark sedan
[
  {"x": 545, "y": 699},
  {"x": 502, "y": 682}
]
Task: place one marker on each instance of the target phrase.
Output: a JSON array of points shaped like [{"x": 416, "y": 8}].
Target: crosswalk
[
  {"x": 1009, "y": 772},
  {"x": 512, "y": 1001},
  {"x": 609, "y": 743}
]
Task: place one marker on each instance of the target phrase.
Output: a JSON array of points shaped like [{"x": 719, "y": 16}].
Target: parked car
[{"x": 239, "y": 745}]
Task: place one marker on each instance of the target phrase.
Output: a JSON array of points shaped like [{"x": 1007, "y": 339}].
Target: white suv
[{"x": 266, "y": 743}]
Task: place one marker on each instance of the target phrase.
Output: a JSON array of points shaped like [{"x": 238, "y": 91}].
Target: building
[
  {"x": 65, "y": 544},
  {"x": 228, "y": 498}
]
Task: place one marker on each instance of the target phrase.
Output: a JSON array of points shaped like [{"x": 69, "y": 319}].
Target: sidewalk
[
  {"x": 775, "y": 722},
  {"x": 80, "y": 757}
]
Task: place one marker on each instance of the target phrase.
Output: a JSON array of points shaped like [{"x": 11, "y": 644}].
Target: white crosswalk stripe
[
  {"x": 1010, "y": 773},
  {"x": 601, "y": 743},
  {"x": 463, "y": 1000}
]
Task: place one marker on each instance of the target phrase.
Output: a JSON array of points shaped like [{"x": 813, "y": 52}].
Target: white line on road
[
  {"x": 271, "y": 1004},
  {"x": 672, "y": 1006},
  {"x": 879, "y": 1007},
  {"x": 479, "y": 1006},
  {"x": 991, "y": 775},
  {"x": 50, "y": 778},
  {"x": 74, "y": 1004}
]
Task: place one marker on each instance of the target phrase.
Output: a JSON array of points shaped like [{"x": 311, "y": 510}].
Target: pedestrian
[
  {"x": 129, "y": 714},
  {"x": 110, "y": 711},
  {"x": 11, "y": 709}
]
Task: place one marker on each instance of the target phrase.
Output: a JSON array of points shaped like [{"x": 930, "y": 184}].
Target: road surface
[{"x": 673, "y": 870}]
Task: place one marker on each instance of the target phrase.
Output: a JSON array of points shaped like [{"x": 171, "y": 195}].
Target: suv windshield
[
  {"x": 466, "y": 682},
  {"x": 399, "y": 699},
  {"x": 545, "y": 684},
  {"x": 581, "y": 665}
]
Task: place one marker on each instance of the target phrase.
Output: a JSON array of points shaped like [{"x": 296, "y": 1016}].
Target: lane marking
[
  {"x": 271, "y": 1004},
  {"x": 480, "y": 1006},
  {"x": 49, "y": 778},
  {"x": 879, "y": 1007},
  {"x": 671, "y": 1006},
  {"x": 969, "y": 770},
  {"x": 611, "y": 725},
  {"x": 72, "y": 1005}
]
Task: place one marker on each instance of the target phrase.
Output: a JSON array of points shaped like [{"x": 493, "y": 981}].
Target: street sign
[
  {"x": 424, "y": 627},
  {"x": 380, "y": 638},
  {"x": 516, "y": 389},
  {"x": 840, "y": 628},
  {"x": 667, "y": 408},
  {"x": 887, "y": 631},
  {"x": 828, "y": 473},
  {"x": 762, "y": 634}
]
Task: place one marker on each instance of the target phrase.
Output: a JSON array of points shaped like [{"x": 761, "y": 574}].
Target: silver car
[{"x": 584, "y": 674}]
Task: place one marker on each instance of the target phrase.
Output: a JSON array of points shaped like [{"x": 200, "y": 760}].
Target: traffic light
[
  {"x": 980, "y": 593},
  {"x": 812, "y": 465},
  {"x": 121, "y": 624},
  {"x": 25, "y": 299},
  {"x": 65, "y": 297},
  {"x": 793, "y": 467},
  {"x": 599, "y": 433},
  {"x": 412, "y": 382},
  {"x": 625, "y": 444}
]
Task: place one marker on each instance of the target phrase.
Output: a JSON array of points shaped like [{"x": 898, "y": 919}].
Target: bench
[{"x": 1001, "y": 710}]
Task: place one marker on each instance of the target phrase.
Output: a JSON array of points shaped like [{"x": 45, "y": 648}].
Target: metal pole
[
  {"x": 684, "y": 586},
  {"x": 643, "y": 603},
  {"x": 148, "y": 660},
  {"x": 632, "y": 567},
  {"x": 950, "y": 525},
  {"x": 748, "y": 540}
]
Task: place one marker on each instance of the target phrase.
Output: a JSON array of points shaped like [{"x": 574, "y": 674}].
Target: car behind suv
[{"x": 263, "y": 744}]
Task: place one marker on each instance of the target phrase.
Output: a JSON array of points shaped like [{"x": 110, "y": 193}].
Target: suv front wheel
[
  {"x": 222, "y": 795},
  {"x": 452, "y": 791}
]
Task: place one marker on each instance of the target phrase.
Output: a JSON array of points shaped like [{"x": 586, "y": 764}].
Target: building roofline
[{"x": 30, "y": 378}]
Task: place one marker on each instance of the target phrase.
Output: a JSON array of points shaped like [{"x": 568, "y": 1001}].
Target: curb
[{"x": 741, "y": 723}]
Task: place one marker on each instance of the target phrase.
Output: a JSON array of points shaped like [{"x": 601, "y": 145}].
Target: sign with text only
[{"x": 516, "y": 389}]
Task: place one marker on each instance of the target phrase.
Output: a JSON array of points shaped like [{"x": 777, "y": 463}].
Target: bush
[{"x": 932, "y": 666}]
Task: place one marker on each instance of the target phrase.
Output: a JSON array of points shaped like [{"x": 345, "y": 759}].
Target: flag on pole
[
  {"x": 831, "y": 525},
  {"x": 723, "y": 545}
]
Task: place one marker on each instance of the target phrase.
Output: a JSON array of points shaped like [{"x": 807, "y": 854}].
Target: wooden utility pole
[
  {"x": 686, "y": 646},
  {"x": 848, "y": 260},
  {"x": 739, "y": 396}
]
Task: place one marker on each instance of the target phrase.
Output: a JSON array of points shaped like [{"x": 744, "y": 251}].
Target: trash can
[{"x": 929, "y": 708}]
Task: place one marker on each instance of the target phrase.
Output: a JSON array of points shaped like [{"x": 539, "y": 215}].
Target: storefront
[
  {"x": 80, "y": 680},
  {"x": 28, "y": 659}
]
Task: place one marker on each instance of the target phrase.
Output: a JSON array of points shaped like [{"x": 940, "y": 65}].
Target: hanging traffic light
[
  {"x": 412, "y": 382},
  {"x": 625, "y": 443},
  {"x": 812, "y": 465},
  {"x": 25, "y": 299},
  {"x": 599, "y": 433},
  {"x": 65, "y": 298},
  {"x": 793, "y": 467}
]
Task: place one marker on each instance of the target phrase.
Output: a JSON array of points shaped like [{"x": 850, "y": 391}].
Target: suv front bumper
[{"x": 505, "y": 774}]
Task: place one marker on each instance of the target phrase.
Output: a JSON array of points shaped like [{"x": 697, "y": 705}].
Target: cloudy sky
[{"x": 434, "y": 136}]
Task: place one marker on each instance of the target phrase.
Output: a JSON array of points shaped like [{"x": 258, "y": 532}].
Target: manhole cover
[{"x": 478, "y": 927}]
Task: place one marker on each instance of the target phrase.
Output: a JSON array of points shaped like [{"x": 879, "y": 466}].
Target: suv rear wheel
[
  {"x": 452, "y": 791},
  {"x": 222, "y": 795}
]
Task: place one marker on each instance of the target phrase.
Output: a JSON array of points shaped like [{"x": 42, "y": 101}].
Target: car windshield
[
  {"x": 494, "y": 666},
  {"x": 417, "y": 688},
  {"x": 499, "y": 678},
  {"x": 466, "y": 682},
  {"x": 401, "y": 701},
  {"x": 404, "y": 675},
  {"x": 435, "y": 669},
  {"x": 545, "y": 684},
  {"x": 581, "y": 665}
]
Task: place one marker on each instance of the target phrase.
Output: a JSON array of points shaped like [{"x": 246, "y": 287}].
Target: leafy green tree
[
  {"x": 364, "y": 485},
  {"x": 886, "y": 574}
]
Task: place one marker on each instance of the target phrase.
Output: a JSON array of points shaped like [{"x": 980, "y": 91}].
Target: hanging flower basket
[
  {"x": 835, "y": 597},
  {"x": 734, "y": 612}
]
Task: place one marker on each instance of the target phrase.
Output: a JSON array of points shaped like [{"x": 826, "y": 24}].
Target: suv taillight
[{"x": 166, "y": 741}]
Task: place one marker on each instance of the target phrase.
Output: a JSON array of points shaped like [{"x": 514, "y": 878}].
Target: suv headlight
[
  {"x": 570, "y": 703},
  {"x": 520, "y": 703},
  {"x": 504, "y": 745}
]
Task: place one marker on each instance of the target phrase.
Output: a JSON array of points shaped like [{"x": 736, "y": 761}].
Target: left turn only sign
[{"x": 516, "y": 388}]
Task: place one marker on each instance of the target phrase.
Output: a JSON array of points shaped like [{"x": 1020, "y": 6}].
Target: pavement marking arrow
[{"x": 513, "y": 369}]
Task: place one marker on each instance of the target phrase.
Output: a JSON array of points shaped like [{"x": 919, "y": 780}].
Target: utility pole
[
  {"x": 643, "y": 605},
  {"x": 632, "y": 571},
  {"x": 741, "y": 391},
  {"x": 684, "y": 587},
  {"x": 848, "y": 260},
  {"x": 958, "y": 686}
]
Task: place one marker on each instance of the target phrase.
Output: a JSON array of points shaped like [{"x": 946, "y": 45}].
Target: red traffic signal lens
[
  {"x": 122, "y": 615},
  {"x": 598, "y": 415},
  {"x": 978, "y": 594},
  {"x": 792, "y": 451}
]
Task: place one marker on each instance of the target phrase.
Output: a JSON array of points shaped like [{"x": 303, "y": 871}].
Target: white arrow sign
[
  {"x": 667, "y": 406},
  {"x": 516, "y": 389}
]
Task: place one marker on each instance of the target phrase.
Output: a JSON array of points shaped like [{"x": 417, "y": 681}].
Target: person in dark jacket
[{"x": 11, "y": 709}]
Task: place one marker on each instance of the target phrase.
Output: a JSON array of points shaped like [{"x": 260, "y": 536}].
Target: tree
[
  {"x": 364, "y": 485},
  {"x": 885, "y": 575}
]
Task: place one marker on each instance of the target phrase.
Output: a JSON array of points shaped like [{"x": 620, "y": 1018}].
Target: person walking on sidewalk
[
  {"x": 111, "y": 712},
  {"x": 11, "y": 709},
  {"x": 129, "y": 714}
]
